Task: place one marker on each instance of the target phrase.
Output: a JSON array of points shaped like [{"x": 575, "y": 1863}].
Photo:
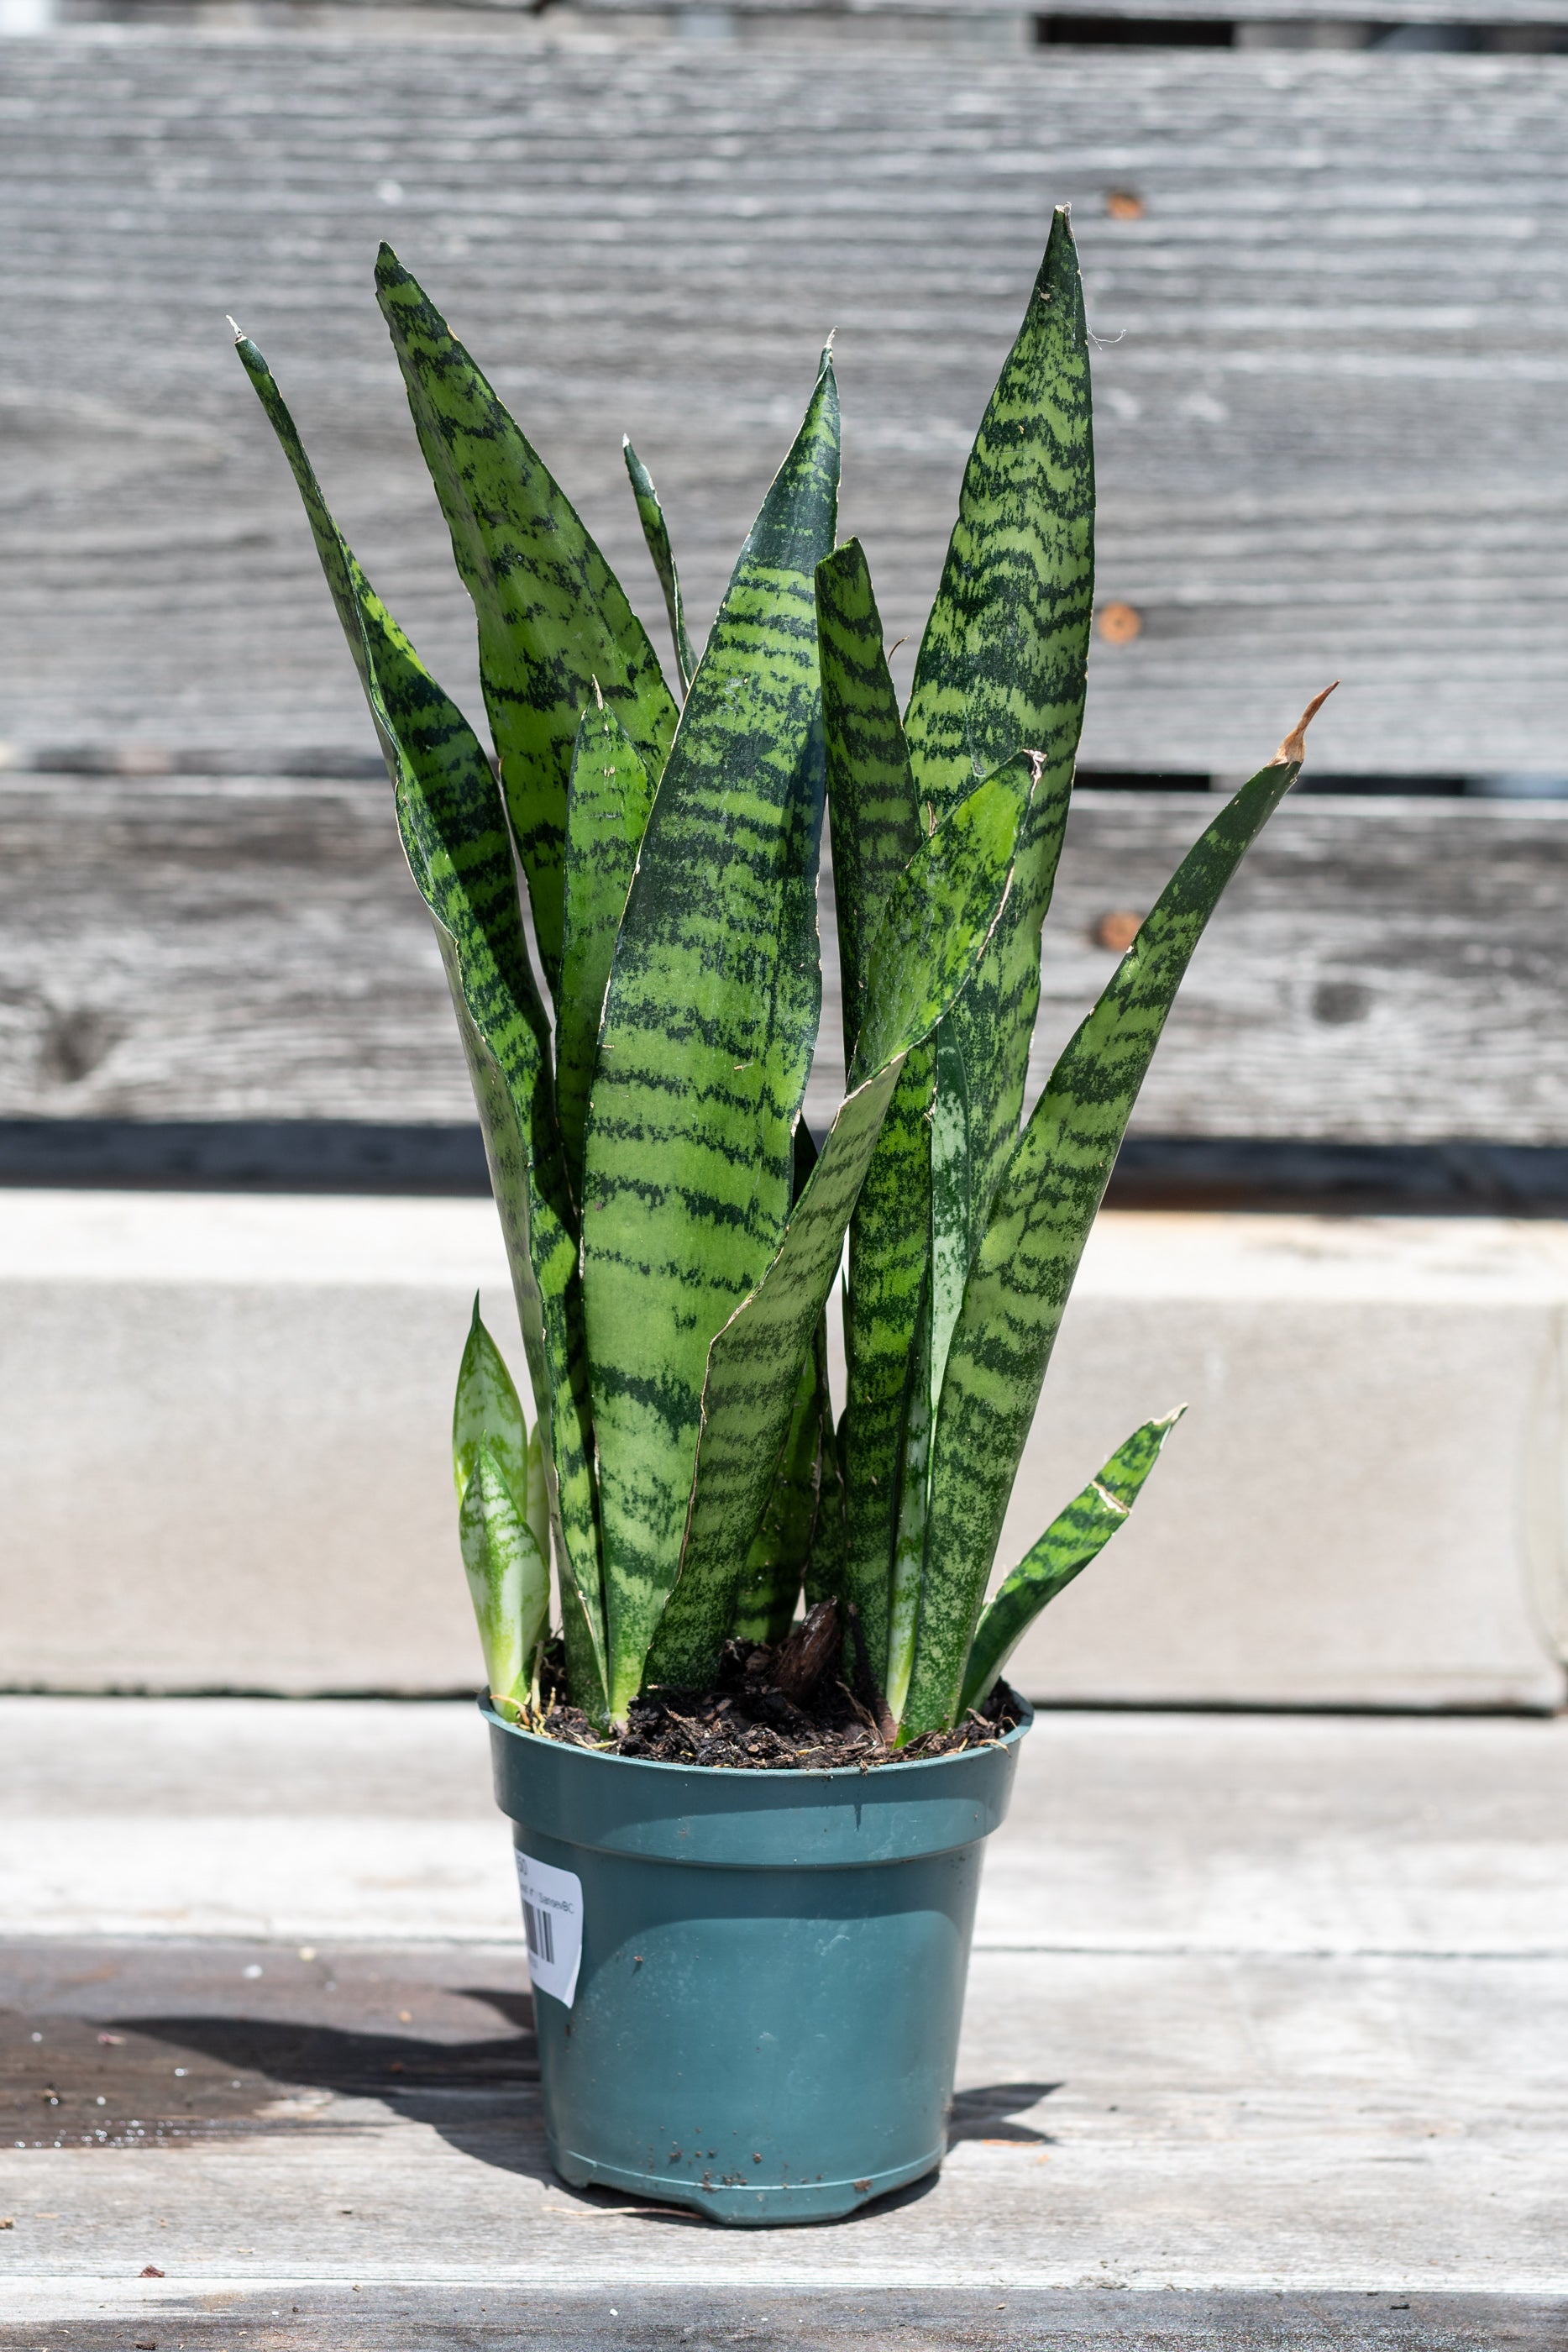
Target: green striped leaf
[
  {"x": 911, "y": 1482},
  {"x": 709, "y": 1023},
  {"x": 536, "y": 1491},
  {"x": 553, "y": 619},
  {"x": 656, "y": 530},
  {"x": 508, "y": 1581},
  {"x": 876, "y": 828},
  {"x": 455, "y": 835},
  {"x": 770, "y": 1581},
  {"x": 884, "y": 1343},
  {"x": 1039, "y": 1219},
  {"x": 825, "y": 1559},
  {"x": 873, "y": 818},
  {"x": 932, "y": 934},
  {"x": 486, "y": 1411},
  {"x": 1001, "y": 665},
  {"x": 606, "y": 812},
  {"x": 1072, "y": 1539}
]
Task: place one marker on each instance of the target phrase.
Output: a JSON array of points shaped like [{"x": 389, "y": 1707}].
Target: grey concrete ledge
[{"x": 223, "y": 1453}]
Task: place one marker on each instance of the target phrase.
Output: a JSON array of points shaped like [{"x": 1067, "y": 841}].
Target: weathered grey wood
[
  {"x": 1289, "y": 12},
  {"x": 1294, "y": 2114},
  {"x": 228, "y": 950},
  {"x": 1382, "y": 971},
  {"x": 650, "y": 2318},
  {"x": 1331, "y": 432}
]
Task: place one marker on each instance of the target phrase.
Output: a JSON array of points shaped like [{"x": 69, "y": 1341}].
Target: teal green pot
[{"x": 747, "y": 1985}]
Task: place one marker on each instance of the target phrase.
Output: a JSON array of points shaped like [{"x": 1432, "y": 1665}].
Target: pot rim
[{"x": 770, "y": 1775}]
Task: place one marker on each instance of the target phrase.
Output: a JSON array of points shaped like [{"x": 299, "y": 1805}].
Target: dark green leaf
[
  {"x": 886, "y": 1342},
  {"x": 553, "y": 618},
  {"x": 1001, "y": 666}
]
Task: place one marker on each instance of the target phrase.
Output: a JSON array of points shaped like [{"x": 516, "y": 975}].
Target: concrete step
[{"x": 222, "y": 1452}]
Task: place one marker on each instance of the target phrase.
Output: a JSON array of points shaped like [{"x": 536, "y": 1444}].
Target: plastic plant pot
[{"x": 758, "y": 1976}]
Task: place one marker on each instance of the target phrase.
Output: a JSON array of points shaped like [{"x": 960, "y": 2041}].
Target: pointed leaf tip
[{"x": 1293, "y": 750}]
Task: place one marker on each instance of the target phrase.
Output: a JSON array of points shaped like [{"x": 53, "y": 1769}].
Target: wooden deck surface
[
  {"x": 1331, "y": 361},
  {"x": 1183, "y": 2090}
]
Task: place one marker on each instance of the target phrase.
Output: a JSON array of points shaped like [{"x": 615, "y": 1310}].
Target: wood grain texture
[
  {"x": 1387, "y": 970},
  {"x": 370, "y": 2119},
  {"x": 1252, "y": 12},
  {"x": 1331, "y": 428}
]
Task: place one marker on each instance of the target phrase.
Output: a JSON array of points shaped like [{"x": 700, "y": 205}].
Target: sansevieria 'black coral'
[{"x": 673, "y": 1231}]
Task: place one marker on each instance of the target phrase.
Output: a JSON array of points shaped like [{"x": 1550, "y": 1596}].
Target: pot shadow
[
  {"x": 481, "y": 2095},
  {"x": 983, "y": 2115}
]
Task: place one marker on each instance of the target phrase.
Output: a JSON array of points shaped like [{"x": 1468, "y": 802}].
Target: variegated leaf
[
  {"x": 708, "y": 1028},
  {"x": 656, "y": 530},
  {"x": 769, "y": 1584},
  {"x": 1039, "y": 1219},
  {"x": 486, "y": 1411},
  {"x": 1072, "y": 1539},
  {"x": 933, "y": 933},
  {"x": 455, "y": 839},
  {"x": 606, "y": 812},
  {"x": 1002, "y": 664},
  {"x": 554, "y": 622},
  {"x": 508, "y": 1581},
  {"x": 873, "y": 821}
]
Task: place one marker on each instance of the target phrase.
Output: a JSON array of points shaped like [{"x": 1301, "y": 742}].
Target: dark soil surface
[{"x": 747, "y": 1722}]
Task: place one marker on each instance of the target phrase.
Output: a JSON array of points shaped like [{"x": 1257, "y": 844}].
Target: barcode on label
[
  {"x": 541, "y": 1933},
  {"x": 552, "y": 1922}
]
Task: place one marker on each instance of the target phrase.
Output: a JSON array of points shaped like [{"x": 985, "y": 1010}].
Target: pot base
[{"x": 766, "y": 2205}]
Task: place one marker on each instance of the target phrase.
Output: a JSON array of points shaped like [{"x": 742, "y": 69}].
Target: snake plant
[{"x": 674, "y": 1230}]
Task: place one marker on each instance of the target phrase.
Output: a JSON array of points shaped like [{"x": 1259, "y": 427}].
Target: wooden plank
[
  {"x": 1332, "y": 437},
  {"x": 1542, "y": 13},
  {"x": 1270, "y": 1941},
  {"x": 1384, "y": 970},
  {"x": 292, "y": 2150},
  {"x": 199, "y": 951},
  {"x": 377, "y": 2318}
]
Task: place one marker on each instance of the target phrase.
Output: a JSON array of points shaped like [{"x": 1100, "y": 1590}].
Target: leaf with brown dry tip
[{"x": 1040, "y": 1220}]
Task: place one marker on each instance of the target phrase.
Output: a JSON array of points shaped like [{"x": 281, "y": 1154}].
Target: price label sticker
[{"x": 552, "y": 1915}]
